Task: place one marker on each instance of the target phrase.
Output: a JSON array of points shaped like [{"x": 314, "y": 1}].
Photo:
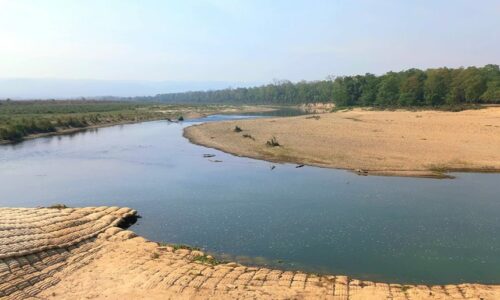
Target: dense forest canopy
[{"x": 413, "y": 87}]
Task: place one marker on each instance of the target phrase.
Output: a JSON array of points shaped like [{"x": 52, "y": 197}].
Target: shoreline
[
  {"x": 92, "y": 255},
  {"x": 189, "y": 115},
  {"x": 301, "y": 146},
  {"x": 71, "y": 131},
  {"x": 364, "y": 172}
]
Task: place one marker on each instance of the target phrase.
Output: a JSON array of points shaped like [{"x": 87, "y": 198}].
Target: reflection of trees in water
[{"x": 71, "y": 135}]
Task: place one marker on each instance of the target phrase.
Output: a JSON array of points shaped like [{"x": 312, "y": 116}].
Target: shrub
[
  {"x": 248, "y": 136},
  {"x": 13, "y": 133},
  {"x": 273, "y": 142},
  {"x": 57, "y": 206},
  {"x": 206, "y": 259},
  {"x": 183, "y": 246}
]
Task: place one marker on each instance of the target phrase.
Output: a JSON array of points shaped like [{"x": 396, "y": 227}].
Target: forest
[{"x": 413, "y": 87}]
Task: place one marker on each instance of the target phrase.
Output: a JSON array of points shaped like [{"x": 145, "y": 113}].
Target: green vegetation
[
  {"x": 207, "y": 259},
  {"x": 204, "y": 259},
  {"x": 179, "y": 246},
  {"x": 442, "y": 88},
  {"x": 19, "y": 119},
  {"x": 414, "y": 87}
]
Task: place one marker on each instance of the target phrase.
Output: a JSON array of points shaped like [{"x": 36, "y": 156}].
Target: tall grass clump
[{"x": 273, "y": 142}]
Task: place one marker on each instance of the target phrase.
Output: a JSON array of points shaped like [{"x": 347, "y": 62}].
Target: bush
[
  {"x": 273, "y": 142},
  {"x": 11, "y": 134},
  {"x": 75, "y": 122},
  {"x": 248, "y": 136},
  {"x": 16, "y": 130}
]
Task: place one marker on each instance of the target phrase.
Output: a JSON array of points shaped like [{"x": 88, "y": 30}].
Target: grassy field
[{"x": 20, "y": 119}]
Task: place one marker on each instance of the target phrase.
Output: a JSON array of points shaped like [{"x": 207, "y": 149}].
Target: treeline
[
  {"x": 279, "y": 92},
  {"x": 414, "y": 87}
]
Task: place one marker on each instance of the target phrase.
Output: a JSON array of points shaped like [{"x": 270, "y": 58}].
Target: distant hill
[{"x": 29, "y": 88}]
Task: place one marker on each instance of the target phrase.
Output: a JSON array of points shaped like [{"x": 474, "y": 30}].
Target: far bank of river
[{"x": 162, "y": 113}]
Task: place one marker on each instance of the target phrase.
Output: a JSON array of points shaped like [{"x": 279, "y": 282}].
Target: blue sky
[{"x": 241, "y": 41}]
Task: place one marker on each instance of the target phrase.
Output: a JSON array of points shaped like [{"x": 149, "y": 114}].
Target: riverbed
[{"x": 408, "y": 230}]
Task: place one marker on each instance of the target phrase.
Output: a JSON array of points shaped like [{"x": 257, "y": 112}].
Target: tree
[
  {"x": 412, "y": 88},
  {"x": 388, "y": 90},
  {"x": 325, "y": 91},
  {"x": 340, "y": 94},
  {"x": 491, "y": 72},
  {"x": 474, "y": 84},
  {"x": 369, "y": 90},
  {"x": 492, "y": 93},
  {"x": 456, "y": 93},
  {"x": 436, "y": 86}
]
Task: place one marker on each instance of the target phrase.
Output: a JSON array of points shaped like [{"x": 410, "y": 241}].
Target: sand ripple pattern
[{"x": 81, "y": 254}]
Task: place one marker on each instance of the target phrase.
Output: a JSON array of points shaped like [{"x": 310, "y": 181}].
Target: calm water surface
[{"x": 313, "y": 219}]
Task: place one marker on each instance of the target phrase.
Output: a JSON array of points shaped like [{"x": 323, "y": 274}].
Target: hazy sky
[{"x": 241, "y": 41}]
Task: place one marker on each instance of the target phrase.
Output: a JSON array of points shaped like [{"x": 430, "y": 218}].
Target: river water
[{"x": 313, "y": 219}]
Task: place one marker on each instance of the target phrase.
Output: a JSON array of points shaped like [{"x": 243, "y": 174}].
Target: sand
[
  {"x": 80, "y": 253},
  {"x": 402, "y": 143}
]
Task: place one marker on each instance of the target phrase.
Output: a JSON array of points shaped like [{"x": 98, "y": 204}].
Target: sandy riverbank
[
  {"x": 402, "y": 143},
  {"x": 80, "y": 253}
]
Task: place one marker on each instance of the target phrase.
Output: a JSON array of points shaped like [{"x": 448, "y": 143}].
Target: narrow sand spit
[
  {"x": 403, "y": 143},
  {"x": 81, "y": 254}
]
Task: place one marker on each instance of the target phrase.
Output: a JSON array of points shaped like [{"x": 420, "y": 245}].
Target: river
[{"x": 409, "y": 230}]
